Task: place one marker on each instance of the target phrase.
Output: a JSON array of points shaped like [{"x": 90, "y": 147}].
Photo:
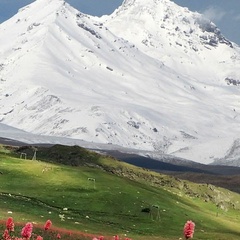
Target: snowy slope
[{"x": 152, "y": 76}]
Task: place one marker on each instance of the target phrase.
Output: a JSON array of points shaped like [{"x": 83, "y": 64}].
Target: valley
[{"x": 122, "y": 125}]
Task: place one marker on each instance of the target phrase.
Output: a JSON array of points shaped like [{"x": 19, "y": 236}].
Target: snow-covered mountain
[{"x": 151, "y": 76}]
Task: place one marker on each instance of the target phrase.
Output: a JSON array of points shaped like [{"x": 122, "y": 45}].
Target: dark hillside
[{"x": 222, "y": 176}]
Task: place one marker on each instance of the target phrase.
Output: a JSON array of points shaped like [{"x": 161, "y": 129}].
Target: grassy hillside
[{"x": 91, "y": 193}]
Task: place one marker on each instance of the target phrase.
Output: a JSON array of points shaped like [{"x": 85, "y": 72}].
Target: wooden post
[
  {"x": 34, "y": 155},
  {"x": 23, "y": 154}
]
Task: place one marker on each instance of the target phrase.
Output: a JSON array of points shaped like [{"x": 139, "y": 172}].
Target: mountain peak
[
  {"x": 150, "y": 76},
  {"x": 157, "y": 23},
  {"x": 39, "y": 9},
  {"x": 145, "y": 2},
  {"x": 147, "y": 5},
  {"x": 43, "y": 3}
]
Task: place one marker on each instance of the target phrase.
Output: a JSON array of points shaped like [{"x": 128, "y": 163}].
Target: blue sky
[{"x": 224, "y": 13}]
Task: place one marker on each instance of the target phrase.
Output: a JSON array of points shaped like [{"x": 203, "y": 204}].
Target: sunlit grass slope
[{"x": 85, "y": 191}]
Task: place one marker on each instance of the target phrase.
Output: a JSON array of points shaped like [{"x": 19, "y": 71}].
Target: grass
[{"x": 113, "y": 203}]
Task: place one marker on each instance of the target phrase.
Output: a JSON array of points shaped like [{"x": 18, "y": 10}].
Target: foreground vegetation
[{"x": 90, "y": 195}]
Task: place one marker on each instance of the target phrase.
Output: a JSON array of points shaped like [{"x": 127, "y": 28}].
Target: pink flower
[
  {"x": 58, "y": 236},
  {"x": 47, "y": 225},
  {"x": 94, "y": 238},
  {"x": 27, "y": 230},
  {"x": 10, "y": 224},
  {"x": 39, "y": 238},
  {"x": 188, "y": 229},
  {"x": 116, "y": 237},
  {"x": 6, "y": 235},
  {"x": 101, "y": 238}
]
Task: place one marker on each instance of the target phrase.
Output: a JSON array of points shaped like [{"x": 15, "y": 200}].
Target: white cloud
[{"x": 214, "y": 13}]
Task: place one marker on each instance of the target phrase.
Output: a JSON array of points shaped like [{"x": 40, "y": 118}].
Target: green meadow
[{"x": 85, "y": 192}]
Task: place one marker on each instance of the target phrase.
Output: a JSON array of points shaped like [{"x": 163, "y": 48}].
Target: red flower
[
  {"x": 188, "y": 229},
  {"x": 27, "y": 230},
  {"x": 47, "y": 225},
  {"x": 58, "y": 236},
  {"x": 6, "y": 235},
  {"x": 39, "y": 238},
  {"x": 116, "y": 237},
  {"x": 101, "y": 238},
  {"x": 10, "y": 224}
]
